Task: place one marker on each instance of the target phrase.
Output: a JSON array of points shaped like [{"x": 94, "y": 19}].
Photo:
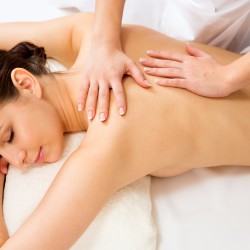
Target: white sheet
[
  {"x": 125, "y": 222},
  {"x": 203, "y": 209}
]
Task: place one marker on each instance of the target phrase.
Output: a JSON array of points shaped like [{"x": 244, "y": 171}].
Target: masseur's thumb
[
  {"x": 137, "y": 74},
  {"x": 195, "y": 51}
]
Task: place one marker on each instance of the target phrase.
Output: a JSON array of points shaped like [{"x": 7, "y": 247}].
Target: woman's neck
[{"x": 62, "y": 91}]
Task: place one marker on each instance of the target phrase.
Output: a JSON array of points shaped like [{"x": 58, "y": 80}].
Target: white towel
[{"x": 125, "y": 222}]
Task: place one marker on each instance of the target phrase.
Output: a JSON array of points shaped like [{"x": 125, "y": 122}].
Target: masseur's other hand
[
  {"x": 104, "y": 69},
  {"x": 197, "y": 72}
]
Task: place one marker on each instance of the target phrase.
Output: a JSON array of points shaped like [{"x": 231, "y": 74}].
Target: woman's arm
[
  {"x": 3, "y": 229},
  {"x": 86, "y": 181},
  {"x": 55, "y": 35}
]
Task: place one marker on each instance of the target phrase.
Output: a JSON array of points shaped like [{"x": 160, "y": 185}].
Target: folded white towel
[{"x": 125, "y": 223}]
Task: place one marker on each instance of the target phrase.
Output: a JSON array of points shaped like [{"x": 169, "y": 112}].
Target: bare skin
[
  {"x": 105, "y": 46},
  {"x": 166, "y": 131}
]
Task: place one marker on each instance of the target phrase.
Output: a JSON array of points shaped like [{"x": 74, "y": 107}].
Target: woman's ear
[{"x": 24, "y": 81}]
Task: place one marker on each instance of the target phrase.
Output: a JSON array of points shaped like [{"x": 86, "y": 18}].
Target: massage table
[{"x": 201, "y": 209}]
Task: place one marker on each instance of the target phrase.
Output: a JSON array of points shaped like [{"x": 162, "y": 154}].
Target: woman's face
[{"x": 30, "y": 132}]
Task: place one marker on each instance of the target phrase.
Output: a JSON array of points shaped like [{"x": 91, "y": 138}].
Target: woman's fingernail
[
  {"x": 102, "y": 117},
  {"x": 121, "y": 111},
  {"x": 90, "y": 114},
  {"x": 79, "y": 107}
]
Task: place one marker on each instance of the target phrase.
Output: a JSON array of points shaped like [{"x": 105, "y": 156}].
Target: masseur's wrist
[
  {"x": 233, "y": 78},
  {"x": 102, "y": 41}
]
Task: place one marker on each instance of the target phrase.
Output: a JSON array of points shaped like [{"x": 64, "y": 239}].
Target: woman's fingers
[{"x": 3, "y": 165}]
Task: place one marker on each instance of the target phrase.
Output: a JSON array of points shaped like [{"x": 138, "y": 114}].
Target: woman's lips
[{"x": 40, "y": 156}]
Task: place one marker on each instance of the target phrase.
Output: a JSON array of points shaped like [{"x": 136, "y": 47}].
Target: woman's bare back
[{"x": 167, "y": 131}]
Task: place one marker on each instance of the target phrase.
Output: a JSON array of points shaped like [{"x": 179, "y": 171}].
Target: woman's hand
[
  {"x": 104, "y": 69},
  {"x": 3, "y": 166},
  {"x": 197, "y": 72},
  {"x": 3, "y": 229}
]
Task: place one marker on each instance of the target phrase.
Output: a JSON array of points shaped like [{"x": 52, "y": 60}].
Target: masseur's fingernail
[
  {"x": 102, "y": 117},
  {"x": 79, "y": 107},
  {"x": 142, "y": 59},
  {"x": 121, "y": 111},
  {"x": 146, "y": 69},
  {"x": 149, "y": 51},
  {"x": 90, "y": 114},
  {"x": 145, "y": 81}
]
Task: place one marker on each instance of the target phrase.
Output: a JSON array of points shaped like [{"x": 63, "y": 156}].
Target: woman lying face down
[
  {"x": 165, "y": 132},
  {"x": 31, "y": 130}
]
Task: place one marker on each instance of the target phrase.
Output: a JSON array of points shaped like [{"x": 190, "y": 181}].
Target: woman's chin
[{"x": 56, "y": 156}]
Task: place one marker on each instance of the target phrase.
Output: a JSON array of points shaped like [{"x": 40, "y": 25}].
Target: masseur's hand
[
  {"x": 104, "y": 68},
  {"x": 197, "y": 72}
]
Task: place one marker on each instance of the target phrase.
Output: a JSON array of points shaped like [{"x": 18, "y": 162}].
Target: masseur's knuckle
[
  {"x": 103, "y": 93},
  {"x": 93, "y": 92},
  {"x": 171, "y": 71},
  {"x": 119, "y": 93},
  {"x": 84, "y": 87},
  {"x": 178, "y": 83}
]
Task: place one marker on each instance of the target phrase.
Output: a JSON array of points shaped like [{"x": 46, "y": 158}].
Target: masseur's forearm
[
  {"x": 3, "y": 230},
  {"x": 107, "y": 24},
  {"x": 239, "y": 72}
]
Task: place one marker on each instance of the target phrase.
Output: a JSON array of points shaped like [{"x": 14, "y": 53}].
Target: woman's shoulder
[{"x": 83, "y": 18}]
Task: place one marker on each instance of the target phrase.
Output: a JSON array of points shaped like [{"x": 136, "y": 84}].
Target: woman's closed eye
[{"x": 11, "y": 138}]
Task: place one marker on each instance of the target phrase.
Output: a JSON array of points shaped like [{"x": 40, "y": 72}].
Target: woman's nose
[{"x": 15, "y": 157}]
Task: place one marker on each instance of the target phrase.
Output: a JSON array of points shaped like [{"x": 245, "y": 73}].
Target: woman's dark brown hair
[{"x": 24, "y": 55}]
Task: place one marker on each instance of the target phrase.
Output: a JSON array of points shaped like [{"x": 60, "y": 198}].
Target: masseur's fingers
[
  {"x": 119, "y": 97},
  {"x": 92, "y": 100},
  {"x": 134, "y": 71},
  {"x": 176, "y": 82},
  {"x": 103, "y": 100},
  {"x": 195, "y": 51},
  {"x": 164, "y": 72},
  {"x": 83, "y": 94},
  {"x": 159, "y": 63},
  {"x": 197, "y": 72},
  {"x": 166, "y": 55}
]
